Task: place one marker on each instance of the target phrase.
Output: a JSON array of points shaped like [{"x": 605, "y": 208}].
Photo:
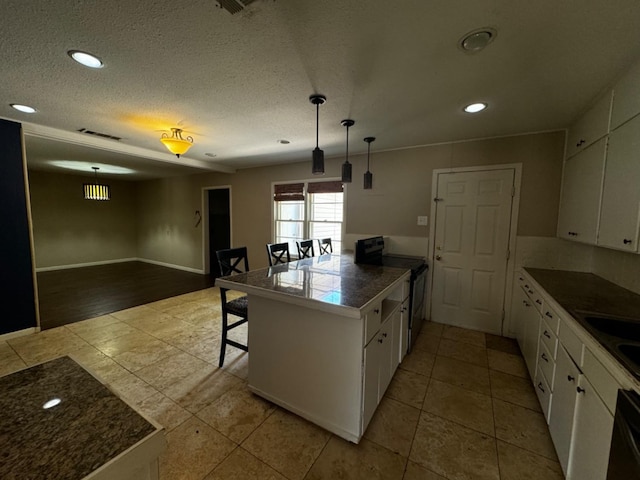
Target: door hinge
[
  {"x": 513, "y": 191},
  {"x": 438, "y": 199},
  {"x": 508, "y": 254},
  {"x": 503, "y": 315}
]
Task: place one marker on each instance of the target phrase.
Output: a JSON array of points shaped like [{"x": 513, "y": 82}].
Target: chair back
[
  {"x": 278, "y": 253},
  {"x": 233, "y": 260},
  {"x": 324, "y": 246},
  {"x": 305, "y": 249}
]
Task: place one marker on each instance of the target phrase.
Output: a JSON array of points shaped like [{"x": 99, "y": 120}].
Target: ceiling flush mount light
[
  {"x": 317, "y": 167},
  {"x": 86, "y": 59},
  {"x": 346, "y": 166},
  {"x": 284, "y": 142},
  {"x": 22, "y": 108},
  {"x": 368, "y": 176},
  {"x": 96, "y": 191},
  {"x": 477, "y": 40},
  {"x": 175, "y": 143},
  {"x": 475, "y": 107}
]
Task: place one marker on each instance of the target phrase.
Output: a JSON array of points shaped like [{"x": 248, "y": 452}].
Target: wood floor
[{"x": 76, "y": 294}]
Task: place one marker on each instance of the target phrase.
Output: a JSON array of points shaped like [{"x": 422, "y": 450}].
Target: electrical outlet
[{"x": 423, "y": 221}]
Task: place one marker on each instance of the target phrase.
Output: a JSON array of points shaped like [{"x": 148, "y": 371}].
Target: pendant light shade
[
  {"x": 368, "y": 176},
  {"x": 96, "y": 191},
  {"x": 346, "y": 166},
  {"x": 317, "y": 167},
  {"x": 175, "y": 143}
]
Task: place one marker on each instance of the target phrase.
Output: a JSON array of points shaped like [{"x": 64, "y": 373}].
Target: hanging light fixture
[
  {"x": 317, "y": 167},
  {"x": 346, "y": 166},
  {"x": 96, "y": 191},
  {"x": 368, "y": 176},
  {"x": 175, "y": 143}
]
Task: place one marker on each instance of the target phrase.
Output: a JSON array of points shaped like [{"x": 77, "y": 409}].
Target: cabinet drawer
[
  {"x": 549, "y": 338},
  {"x": 372, "y": 322},
  {"x": 544, "y": 394},
  {"x": 551, "y": 318},
  {"x": 605, "y": 385},
  {"x": 572, "y": 344},
  {"x": 546, "y": 363},
  {"x": 536, "y": 298}
]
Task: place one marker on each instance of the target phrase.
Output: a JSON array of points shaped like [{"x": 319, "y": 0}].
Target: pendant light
[
  {"x": 346, "y": 166},
  {"x": 96, "y": 191},
  {"x": 368, "y": 176},
  {"x": 317, "y": 167}
]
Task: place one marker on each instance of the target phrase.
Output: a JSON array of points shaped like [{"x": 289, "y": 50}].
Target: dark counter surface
[
  {"x": 578, "y": 291},
  {"x": 89, "y": 427}
]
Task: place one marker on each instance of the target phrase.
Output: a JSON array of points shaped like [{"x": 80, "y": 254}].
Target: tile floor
[{"x": 460, "y": 406}]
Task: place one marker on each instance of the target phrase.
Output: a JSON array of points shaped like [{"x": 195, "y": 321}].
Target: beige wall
[
  {"x": 69, "y": 230},
  {"x": 155, "y": 220}
]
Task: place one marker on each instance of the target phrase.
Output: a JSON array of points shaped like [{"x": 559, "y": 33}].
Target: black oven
[
  {"x": 370, "y": 251},
  {"x": 624, "y": 455}
]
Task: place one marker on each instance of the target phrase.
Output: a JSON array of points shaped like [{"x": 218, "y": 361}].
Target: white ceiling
[{"x": 238, "y": 83}]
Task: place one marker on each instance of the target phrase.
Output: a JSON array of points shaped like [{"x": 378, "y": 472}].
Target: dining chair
[
  {"x": 324, "y": 246},
  {"x": 305, "y": 249},
  {"x": 232, "y": 261},
  {"x": 278, "y": 253}
]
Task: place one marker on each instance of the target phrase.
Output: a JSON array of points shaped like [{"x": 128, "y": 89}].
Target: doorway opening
[{"x": 217, "y": 226}]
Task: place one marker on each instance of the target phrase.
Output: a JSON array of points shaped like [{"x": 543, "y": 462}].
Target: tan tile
[
  {"x": 507, "y": 363},
  {"x": 287, "y": 443},
  {"x": 91, "y": 324},
  {"x": 132, "y": 388},
  {"x": 503, "y": 344},
  {"x": 237, "y": 413},
  {"x": 145, "y": 355},
  {"x": 236, "y": 362},
  {"x": 201, "y": 387},
  {"x": 174, "y": 329},
  {"x": 241, "y": 465},
  {"x": 432, "y": 328},
  {"x": 167, "y": 303},
  {"x": 462, "y": 374},
  {"x": 152, "y": 322},
  {"x": 365, "y": 461},
  {"x": 10, "y": 361},
  {"x": 454, "y": 451},
  {"x": 428, "y": 343},
  {"x": 46, "y": 345},
  {"x": 518, "y": 464},
  {"x": 408, "y": 387},
  {"x": 393, "y": 426},
  {"x": 105, "y": 369},
  {"x": 109, "y": 328},
  {"x": 464, "y": 335},
  {"x": 167, "y": 371},
  {"x": 463, "y": 351},
  {"x": 471, "y": 409},
  {"x": 194, "y": 449},
  {"x": 523, "y": 427},
  {"x": 141, "y": 311},
  {"x": 164, "y": 411},
  {"x": 418, "y": 361},
  {"x": 123, "y": 343},
  {"x": 513, "y": 389},
  {"x": 416, "y": 472}
]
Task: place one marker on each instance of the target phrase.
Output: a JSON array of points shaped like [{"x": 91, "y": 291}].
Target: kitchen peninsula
[{"x": 325, "y": 337}]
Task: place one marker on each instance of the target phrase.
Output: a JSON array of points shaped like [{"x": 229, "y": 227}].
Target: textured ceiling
[{"x": 238, "y": 83}]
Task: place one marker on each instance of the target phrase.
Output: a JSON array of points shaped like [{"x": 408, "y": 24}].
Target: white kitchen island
[{"x": 325, "y": 337}]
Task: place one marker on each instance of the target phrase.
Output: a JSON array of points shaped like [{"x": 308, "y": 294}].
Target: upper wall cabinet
[
  {"x": 626, "y": 103},
  {"x": 621, "y": 195},
  {"x": 592, "y": 126},
  {"x": 581, "y": 192}
]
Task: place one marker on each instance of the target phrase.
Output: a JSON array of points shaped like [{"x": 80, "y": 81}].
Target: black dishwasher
[{"x": 624, "y": 456}]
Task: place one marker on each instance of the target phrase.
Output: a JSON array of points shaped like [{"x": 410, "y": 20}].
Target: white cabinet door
[
  {"x": 519, "y": 306},
  {"x": 404, "y": 329},
  {"x": 621, "y": 195},
  {"x": 531, "y": 320},
  {"x": 372, "y": 356},
  {"x": 591, "y": 126},
  {"x": 581, "y": 191},
  {"x": 626, "y": 101},
  {"x": 563, "y": 407},
  {"x": 398, "y": 338},
  {"x": 591, "y": 441},
  {"x": 387, "y": 363}
]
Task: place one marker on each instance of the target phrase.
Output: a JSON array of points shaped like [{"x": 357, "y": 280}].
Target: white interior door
[{"x": 471, "y": 248}]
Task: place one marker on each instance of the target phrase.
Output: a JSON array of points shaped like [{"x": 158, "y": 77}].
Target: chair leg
[{"x": 223, "y": 343}]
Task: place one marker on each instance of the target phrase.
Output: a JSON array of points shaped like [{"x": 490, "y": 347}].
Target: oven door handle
[{"x": 629, "y": 435}]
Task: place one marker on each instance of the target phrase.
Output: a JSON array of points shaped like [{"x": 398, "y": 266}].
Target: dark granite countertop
[
  {"x": 329, "y": 279},
  {"x": 89, "y": 427}
]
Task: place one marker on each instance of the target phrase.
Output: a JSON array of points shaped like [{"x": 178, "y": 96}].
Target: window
[{"x": 308, "y": 210}]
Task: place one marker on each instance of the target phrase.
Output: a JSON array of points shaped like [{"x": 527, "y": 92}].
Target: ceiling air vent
[
  {"x": 98, "y": 134},
  {"x": 234, "y": 6}
]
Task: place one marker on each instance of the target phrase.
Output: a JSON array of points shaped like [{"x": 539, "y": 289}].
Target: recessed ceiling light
[
  {"x": 23, "y": 108},
  {"x": 476, "y": 40},
  {"x": 86, "y": 59},
  {"x": 212, "y": 155},
  {"x": 284, "y": 142},
  {"x": 475, "y": 107}
]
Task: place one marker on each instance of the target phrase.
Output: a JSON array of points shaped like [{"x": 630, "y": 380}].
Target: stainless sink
[{"x": 628, "y": 329}]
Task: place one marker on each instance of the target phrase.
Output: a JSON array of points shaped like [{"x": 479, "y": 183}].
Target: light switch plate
[{"x": 423, "y": 221}]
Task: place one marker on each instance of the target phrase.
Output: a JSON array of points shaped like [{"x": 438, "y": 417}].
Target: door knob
[{"x": 438, "y": 257}]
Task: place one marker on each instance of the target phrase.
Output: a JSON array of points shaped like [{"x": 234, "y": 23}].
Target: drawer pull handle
[
  {"x": 546, "y": 334},
  {"x": 626, "y": 241},
  {"x": 524, "y": 302},
  {"x": 548, "y": 314},
  {"x": 570, "y": 378},
  {"x": 541, "y": 387},
  {"x": 376, "y": 310},
  {"x": 384, "y": 335},
  {"x": 544, "y": 357},
  {"x": 380, "y": 340},
  {"x": 538, "y": 302},
  {"x": 580, "y": 390}
]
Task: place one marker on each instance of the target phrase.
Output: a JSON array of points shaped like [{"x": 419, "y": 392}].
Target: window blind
[
  {"x": 288, "y": 192},
  {"x": 325, "y": 187}
]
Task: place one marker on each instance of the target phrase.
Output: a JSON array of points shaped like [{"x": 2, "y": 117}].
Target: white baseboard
[
  {"x": 120, "y": 260},
  {"x": 170, "y": 265},
  {"x": 19, "y": 333}
]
